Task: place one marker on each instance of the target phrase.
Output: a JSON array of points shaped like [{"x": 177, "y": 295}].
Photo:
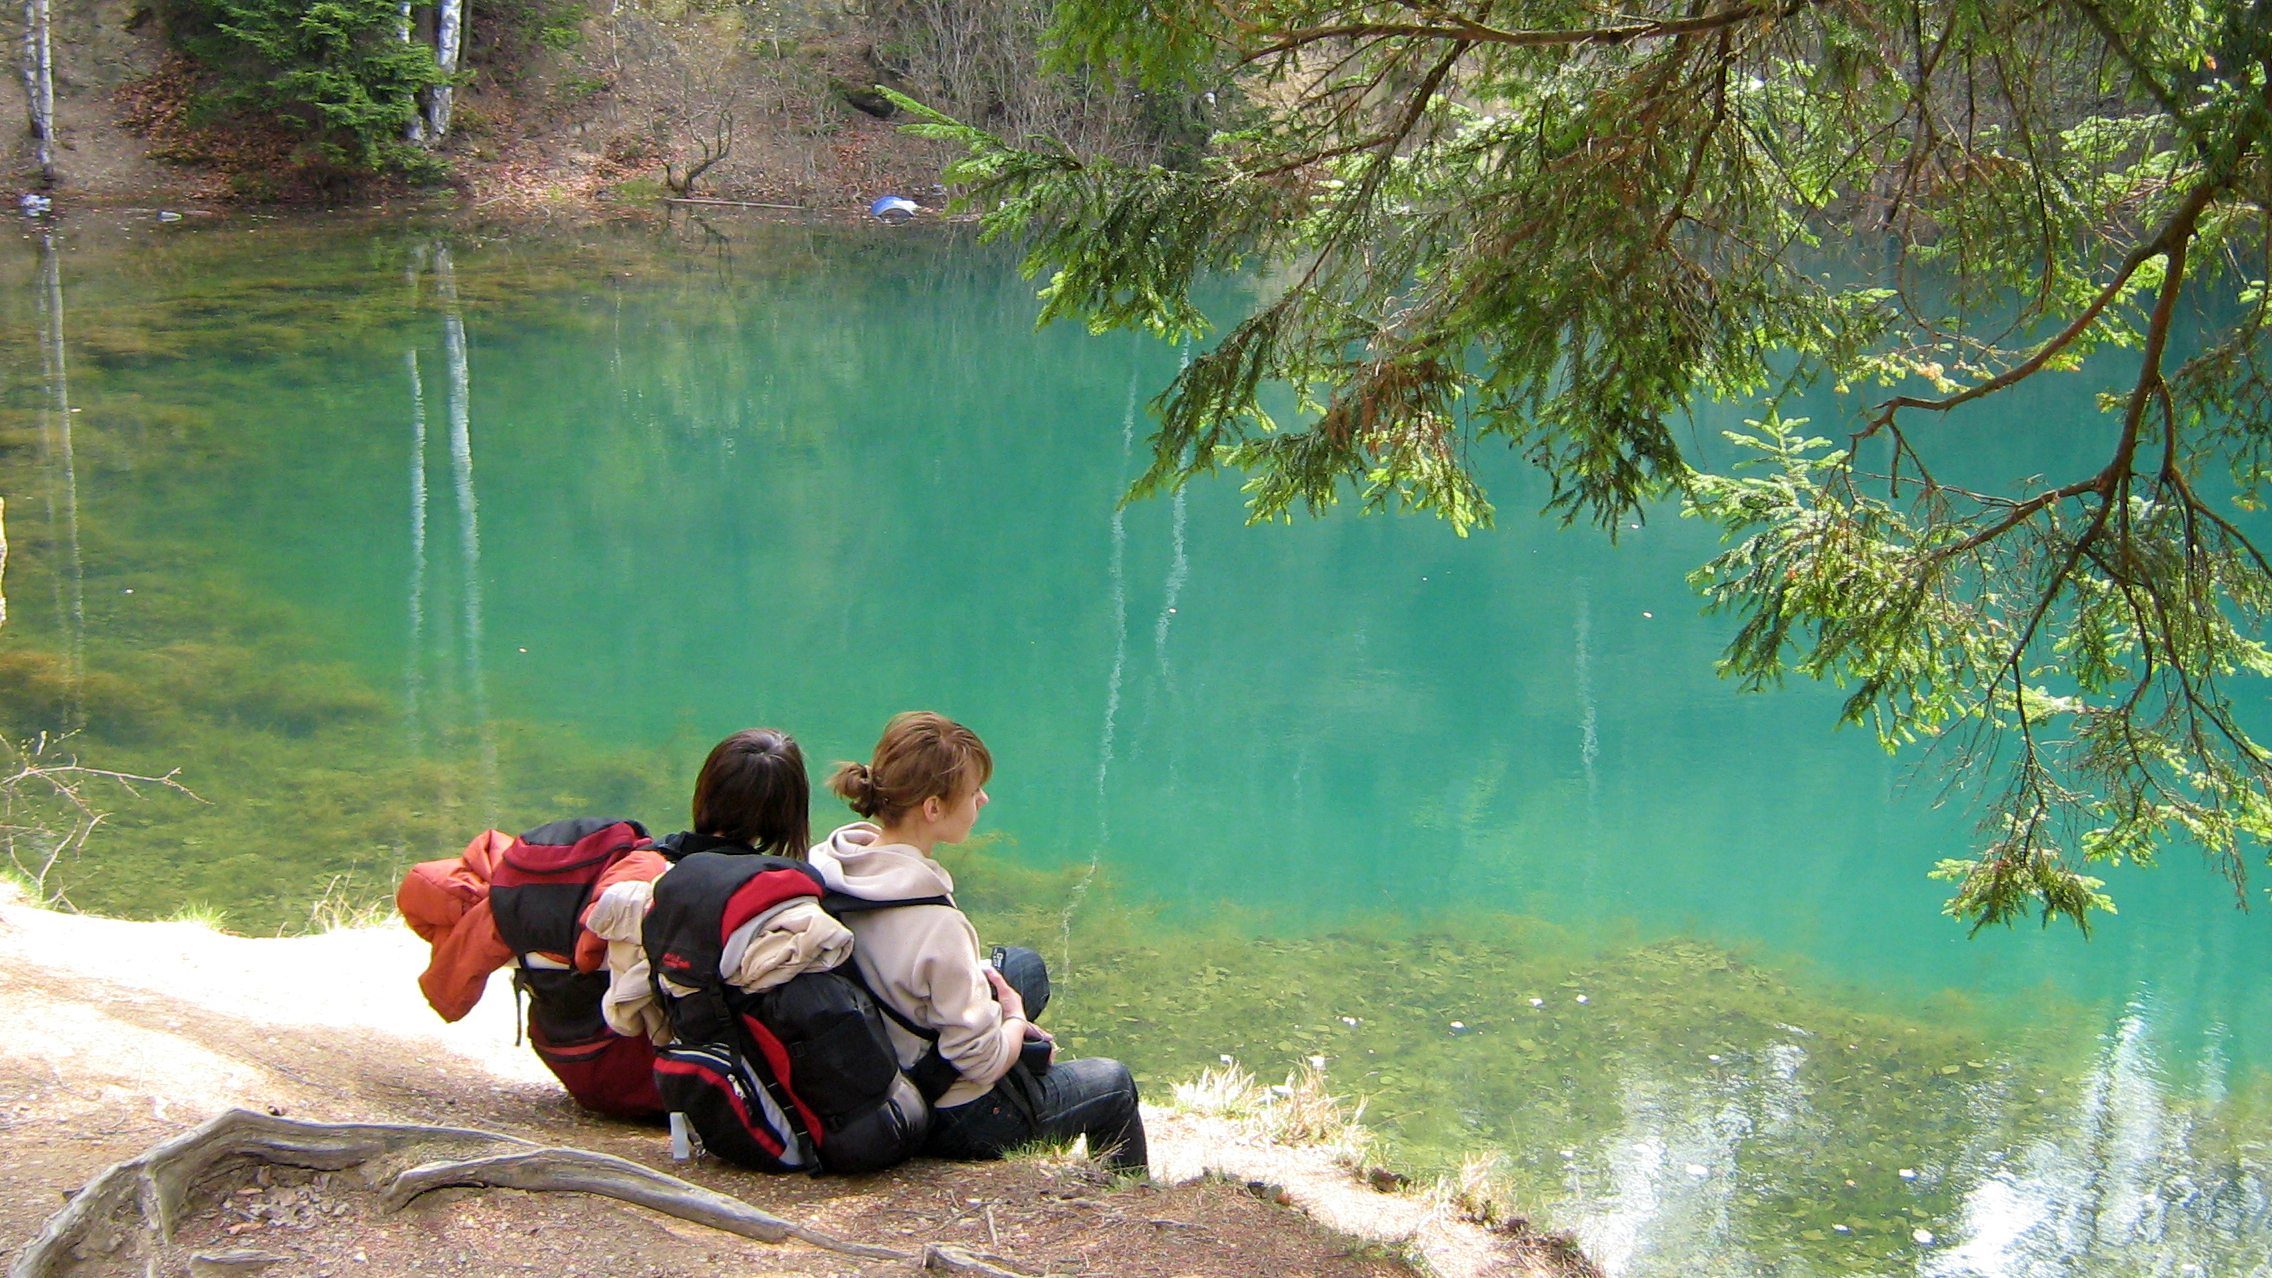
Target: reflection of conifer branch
[{"x": 47, "y": 815}]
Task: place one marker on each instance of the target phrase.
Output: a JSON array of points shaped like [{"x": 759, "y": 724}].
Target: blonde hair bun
[{"x": 920, "y": 756}]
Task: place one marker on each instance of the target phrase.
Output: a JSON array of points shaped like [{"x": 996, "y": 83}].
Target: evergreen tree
[{"x": 1560, "y": 224}]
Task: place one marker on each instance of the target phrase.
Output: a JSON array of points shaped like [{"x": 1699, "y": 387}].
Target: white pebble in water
[
  {"x": 1698, "y": 1170},
  {"x": 1924, "y": 1237}
]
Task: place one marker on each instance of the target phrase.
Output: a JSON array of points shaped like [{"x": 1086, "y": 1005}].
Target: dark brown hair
[
  {"x": 921, "y": 756},
  {"x": 753, "y": 790}
]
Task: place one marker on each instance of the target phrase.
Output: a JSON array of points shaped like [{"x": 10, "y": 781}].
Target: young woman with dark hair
[
  {"x": 923, "y": 788},
  {"x": 751, "y": 795}
]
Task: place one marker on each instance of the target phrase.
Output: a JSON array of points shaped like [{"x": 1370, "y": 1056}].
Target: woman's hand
[{"x": 1013, "y": 1003}]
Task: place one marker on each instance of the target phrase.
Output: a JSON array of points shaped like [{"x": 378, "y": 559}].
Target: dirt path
[{"x": 123, "y": 1034}]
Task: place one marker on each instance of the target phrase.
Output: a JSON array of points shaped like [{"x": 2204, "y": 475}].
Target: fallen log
[{"x": 736, "y": 204}]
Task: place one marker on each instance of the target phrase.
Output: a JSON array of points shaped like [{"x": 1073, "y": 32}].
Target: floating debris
[{"x": 894, "y": 210}]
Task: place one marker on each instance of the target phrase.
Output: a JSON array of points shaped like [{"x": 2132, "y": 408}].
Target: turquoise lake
[{"x": 383, "y": 530}]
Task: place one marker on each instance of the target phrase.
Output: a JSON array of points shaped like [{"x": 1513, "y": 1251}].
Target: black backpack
[{"x": 800, "y": 1077}]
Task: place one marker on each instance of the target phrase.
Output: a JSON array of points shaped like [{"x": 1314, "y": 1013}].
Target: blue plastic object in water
[{"x": 894, "y": 209}]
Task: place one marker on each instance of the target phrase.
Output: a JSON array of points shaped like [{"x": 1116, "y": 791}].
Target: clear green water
[{"x": 1311, "y": 790}]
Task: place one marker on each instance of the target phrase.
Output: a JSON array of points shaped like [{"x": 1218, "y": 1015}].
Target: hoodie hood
[{"x": 851, "y": 861}]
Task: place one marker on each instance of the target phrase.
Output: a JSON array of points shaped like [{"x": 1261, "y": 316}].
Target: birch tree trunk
[
  {"x": 415, "y": 131},
  {"x": 39, "y": 86},
  {"x": 449, "y": 43}
]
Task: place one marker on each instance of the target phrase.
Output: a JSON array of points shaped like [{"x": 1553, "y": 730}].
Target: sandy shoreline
[{"x": 129, "y": 1032}]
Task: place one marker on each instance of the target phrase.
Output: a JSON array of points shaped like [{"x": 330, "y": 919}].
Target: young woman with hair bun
[{"x": 951, "y": 1007}]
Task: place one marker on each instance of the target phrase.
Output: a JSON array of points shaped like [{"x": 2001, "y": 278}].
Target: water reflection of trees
[
  {"x": 49, "y": 800},
  {"x": 62, "y": 486},
  {"x": 456, "y": 651}
]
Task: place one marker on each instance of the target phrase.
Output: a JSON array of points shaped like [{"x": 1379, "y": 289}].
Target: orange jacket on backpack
[{"x": 447, "y": 904}]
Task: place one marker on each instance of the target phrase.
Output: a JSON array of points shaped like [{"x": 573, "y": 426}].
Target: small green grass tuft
[
  {"x": 343, "y": 908},
  {"x": 203, "y": 914}
]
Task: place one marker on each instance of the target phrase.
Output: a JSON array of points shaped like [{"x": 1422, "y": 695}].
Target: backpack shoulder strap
[
  {"x": 839, "y": 904},
  {"x": 932, "y": 1073},
  {"x": 897, "y": 1017}
]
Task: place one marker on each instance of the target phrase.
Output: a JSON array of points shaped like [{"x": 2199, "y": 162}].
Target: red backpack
[{"x": 537, "y": 894}]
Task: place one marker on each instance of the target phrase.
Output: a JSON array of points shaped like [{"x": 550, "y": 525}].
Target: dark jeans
[{"x": 1095, "y": 1097}]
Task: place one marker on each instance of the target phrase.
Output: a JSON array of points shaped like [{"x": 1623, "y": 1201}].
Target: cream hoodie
[{"x": 922, "y": 959}]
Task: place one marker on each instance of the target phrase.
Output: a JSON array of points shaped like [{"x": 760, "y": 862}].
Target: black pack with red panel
[{"x": 798, "y": 1077}]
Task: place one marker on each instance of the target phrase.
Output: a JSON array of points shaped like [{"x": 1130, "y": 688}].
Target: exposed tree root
[
  {"x": 581, "y": 1171},
  {"x": 948, "y": 1258},
  {"x": 142, "y": 1198},
  {"x": 139, "y": 1203}
]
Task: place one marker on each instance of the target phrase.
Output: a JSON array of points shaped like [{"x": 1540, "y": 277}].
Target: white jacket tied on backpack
[
  {"x": 629, "y": 1005},
  {"x": 924, "y": 960},
  {"x": 785, "y": 942}
]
